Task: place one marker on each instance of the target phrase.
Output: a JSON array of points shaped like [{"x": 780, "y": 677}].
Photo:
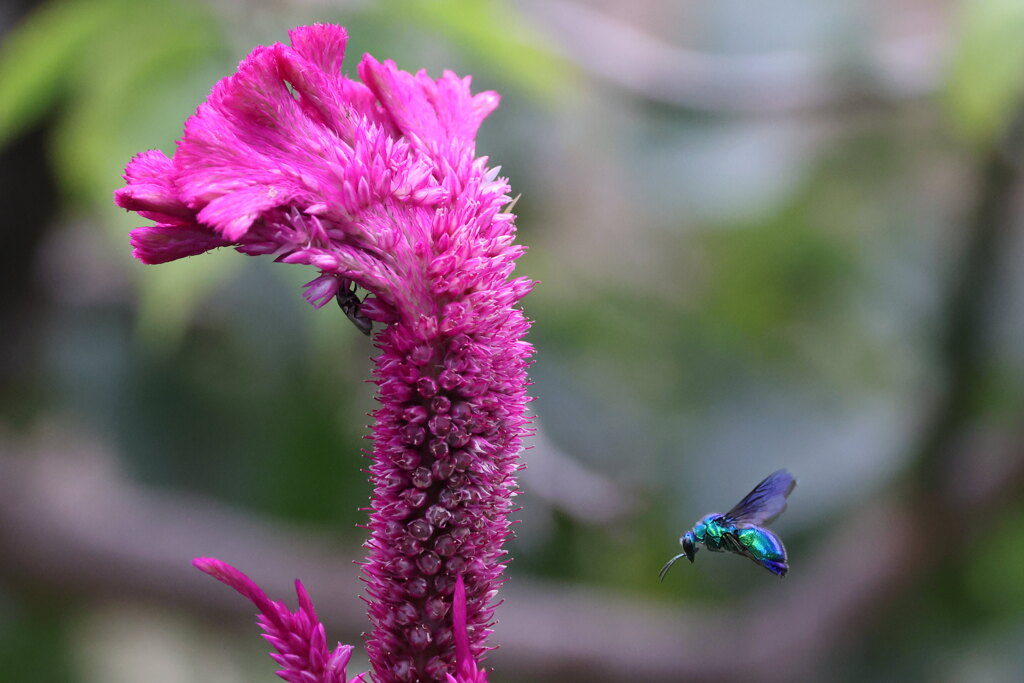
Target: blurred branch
[
  {"x": 968, "y": 304},
  {"x": 616, "y": 53},
  {"x": 71, "y": 527},
  {"x": 560, "y": 481},
  {"x": 786, "y": 634}
]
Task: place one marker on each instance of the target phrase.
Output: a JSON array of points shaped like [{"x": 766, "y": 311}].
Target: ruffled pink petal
[
  {"x": 322, "y": 290},
  {"x": 321, "y": 44},
  {"x": 431, "y": 113},
  {"x": 161, "y": 244},
  {"x": 151, "y": 190}
]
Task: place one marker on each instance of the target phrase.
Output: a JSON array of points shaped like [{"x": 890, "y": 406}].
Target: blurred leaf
[
  {"x": 36, "y": 55},
  {"x": 496, "y": 33},
  {"x": 993, "y": 577},
  {"x": 33, "y": 636},
  {"x": 120, "y": 106},
  {"x": 129, "y": 74},
  {"x": 986, "y": 81},
  {"x": 169, "y": 293},
  {"x": 772, "y": 274}
]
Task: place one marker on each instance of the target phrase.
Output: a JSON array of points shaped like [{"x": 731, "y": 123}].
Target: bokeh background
[{"x": 768, "y": 234}]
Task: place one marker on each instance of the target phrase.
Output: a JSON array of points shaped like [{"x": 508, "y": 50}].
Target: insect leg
[{"x": 349, "y": 304}]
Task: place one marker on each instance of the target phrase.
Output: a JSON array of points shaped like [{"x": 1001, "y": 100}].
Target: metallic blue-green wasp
[{"x": 740, "y": 530}]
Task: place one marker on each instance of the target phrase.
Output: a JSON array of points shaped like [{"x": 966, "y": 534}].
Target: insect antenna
[{"x": 668, "y": 565}]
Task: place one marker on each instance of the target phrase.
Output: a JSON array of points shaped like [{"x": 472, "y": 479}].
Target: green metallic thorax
[{"x": 709, "y": 531}]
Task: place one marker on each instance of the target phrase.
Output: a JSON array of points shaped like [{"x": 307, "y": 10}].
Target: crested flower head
[
  {"x": 372, "y": 182},
  {"x": 377, "y": 184}
]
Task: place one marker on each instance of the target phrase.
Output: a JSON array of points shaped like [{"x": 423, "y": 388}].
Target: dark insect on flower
[
  {"x": 739, "y": 530},
  {"x": 350, "y": 306}
]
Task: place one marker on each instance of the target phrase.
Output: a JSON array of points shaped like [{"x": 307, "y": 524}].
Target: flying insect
[{"x": 741, "y": 530}]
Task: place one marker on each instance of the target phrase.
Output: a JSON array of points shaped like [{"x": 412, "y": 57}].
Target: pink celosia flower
[
  {"x": 297, "y": 636},
  {"x": 377, "y": 183},
  {"x": 466, "y": 670}
]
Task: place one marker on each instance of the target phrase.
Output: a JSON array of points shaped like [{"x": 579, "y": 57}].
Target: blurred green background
[{"x": 771, "y": 234}]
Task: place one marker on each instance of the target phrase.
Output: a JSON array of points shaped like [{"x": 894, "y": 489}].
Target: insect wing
[{"x": 765, "y": 502}]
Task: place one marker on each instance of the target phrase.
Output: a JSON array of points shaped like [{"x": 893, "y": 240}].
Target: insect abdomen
[
  {"x": 764, "y": 548},
  {"x": 762, "y": 543}
]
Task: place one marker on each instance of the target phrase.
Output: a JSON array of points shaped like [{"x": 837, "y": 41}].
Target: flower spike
[{"x": 377, "y": 186}]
